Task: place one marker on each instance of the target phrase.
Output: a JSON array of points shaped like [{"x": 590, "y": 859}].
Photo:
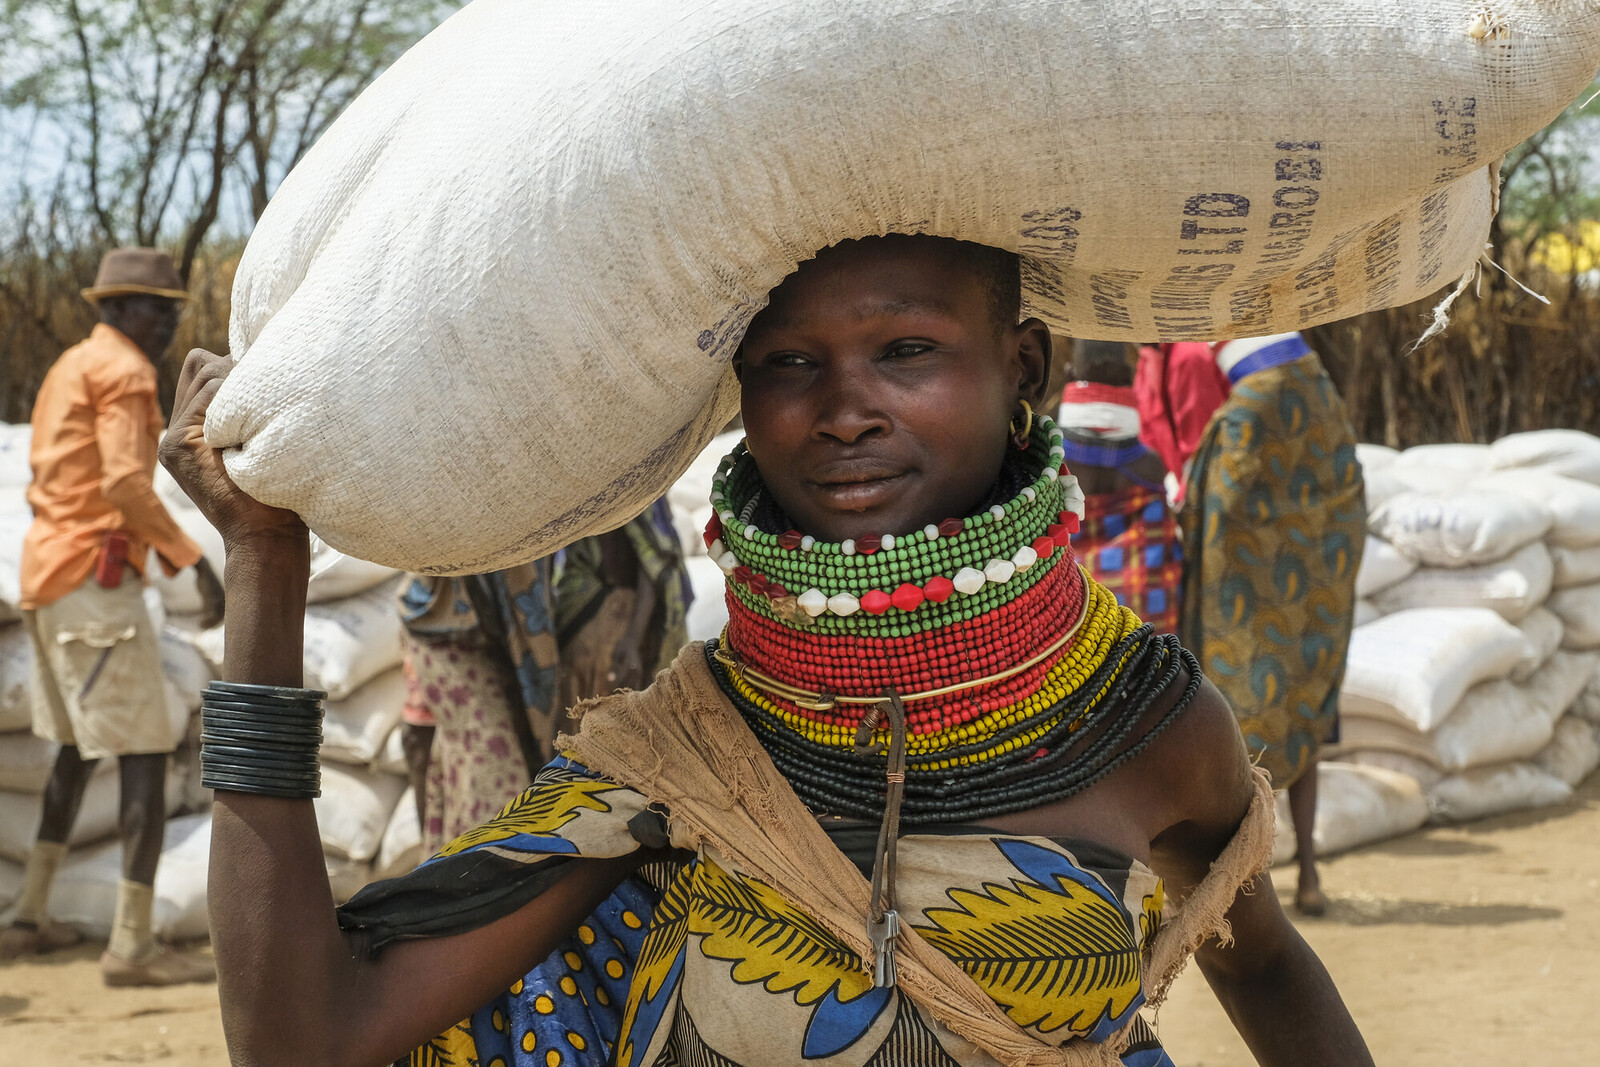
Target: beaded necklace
[{"x": 1021, "y": 678}]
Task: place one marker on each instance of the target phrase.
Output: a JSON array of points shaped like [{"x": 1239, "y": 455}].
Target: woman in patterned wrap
[
  {"x": 1275, "y": 521},
  {"x": 933, "y": 797}
]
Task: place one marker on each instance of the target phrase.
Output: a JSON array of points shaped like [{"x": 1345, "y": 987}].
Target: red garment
[
  {"x": 1130, "y": 543},
  {"x": 1178, "y": 387}
]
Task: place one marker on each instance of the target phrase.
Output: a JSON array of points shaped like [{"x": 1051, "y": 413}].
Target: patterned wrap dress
[
  {"x": 690, "y": 962},
  {"x": 1274, "y": 523}
]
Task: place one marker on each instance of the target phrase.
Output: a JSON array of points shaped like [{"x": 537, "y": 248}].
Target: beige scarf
[{"x": 683, "y": 745}]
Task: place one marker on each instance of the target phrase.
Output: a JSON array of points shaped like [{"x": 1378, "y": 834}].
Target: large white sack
[
  {"x": 1458, "y": 529},
  {"x": 708, "y": 612},
  {"x": 1381, "y": 566},
  {"x": 690, "y": 495},
  {"x": 1573, "y": 752},
  {"x": 1356, "y": 805},
  {"x": 1374, "y": 457},
  {"x": 1573, "y": 504},
  {"x": 335, "y": 575},
  {"x": 16, "y": 664},
  {"x": 391, "y": 759},
  {"x": 1496, "y": 721},
  {"x": 350, "y": 642},
  {"x": 85, "y": 893},
  {"x": 355, "y": 729},
  {"x": 1574, "y": 566},
  {"x": 15, "y": 440},
  {"x": 1578, "y": 608},
  {"x": 180, "y": 594},
  {"x": 1461, "y": 457},
  {"x": 1423, "y": 772},
  {"x": 1380, "y": 485},
  {"x": 184, "y": 666},
  {"x": 1559, "y": 684},
  {"x": 1413, "y": 667},
  {"x": 1541, "y": 636},
  {"x": 1365, "y": 612},
  {"x": 1512, "y": 587},
  {"x": 401, "y": 849},
  {"x": 26, "y": 762},
  {"x": 97, "y": 818},
  {"x": 487, "y": 315},
  {"x": 15, "y": 518},
  {"x": 354, "y": 810},
  {"x": 1569, "y": 452},
  {"x": 347, "y": 877},
  {"x": 1494, "y": 790},
  {"x": 1365, "y": 733}
]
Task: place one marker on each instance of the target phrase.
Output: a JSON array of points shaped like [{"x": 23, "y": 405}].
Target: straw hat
[{"x": 136, "y": 271}]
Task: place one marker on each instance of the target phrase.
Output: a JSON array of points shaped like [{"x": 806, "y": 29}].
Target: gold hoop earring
[{"x": 1019, "y": 438}]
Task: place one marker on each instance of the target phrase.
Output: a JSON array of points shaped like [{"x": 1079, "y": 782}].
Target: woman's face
[{"x": 877, "y": 387}]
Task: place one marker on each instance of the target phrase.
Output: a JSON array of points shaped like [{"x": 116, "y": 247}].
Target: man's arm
[
  {"x": 122, "y": 433},
  {"x": 1269, "y": 981}
]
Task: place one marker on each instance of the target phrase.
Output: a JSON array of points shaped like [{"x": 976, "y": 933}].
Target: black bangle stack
[{"x": 261, "y": 739}]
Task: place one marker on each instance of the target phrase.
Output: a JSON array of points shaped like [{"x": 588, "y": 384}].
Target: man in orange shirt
[{"x": 97, "y": 685}]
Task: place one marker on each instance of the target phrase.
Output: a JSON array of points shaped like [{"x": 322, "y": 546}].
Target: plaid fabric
[{"x": 1130, "y": 542}]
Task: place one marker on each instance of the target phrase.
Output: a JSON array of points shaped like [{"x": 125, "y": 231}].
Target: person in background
[
  {"x": 97, "y": 687},
  {"x": 1274, "y": 522},
  {"x": 481, "y": 667},
  {"x": 1129, "y": 538},
  {"x": 1177, "y": 388},
  {"x": 621, "y": 601}
]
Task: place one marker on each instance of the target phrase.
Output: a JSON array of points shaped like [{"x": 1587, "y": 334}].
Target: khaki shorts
[{"x": 97, "y": 680}]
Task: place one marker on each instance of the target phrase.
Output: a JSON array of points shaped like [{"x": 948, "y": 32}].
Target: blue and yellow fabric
[{"x": 690, "y": 962}]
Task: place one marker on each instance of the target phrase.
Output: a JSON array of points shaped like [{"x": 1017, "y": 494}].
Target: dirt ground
[{"x": 1470, "y": 946}]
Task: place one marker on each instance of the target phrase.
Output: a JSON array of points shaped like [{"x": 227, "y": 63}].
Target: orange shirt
[{"x": 96, "y": 425}]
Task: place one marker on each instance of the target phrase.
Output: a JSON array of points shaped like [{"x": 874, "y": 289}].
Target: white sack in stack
[
  {"x": 1574, "y": 566},
  {"x": 346, "y": 877},
  {"x": 1495, "y": 790},
  {"x": 1458, "y": 529},
  {"x": 180, "y": 594},
  {"x": 401, "y": 849},
  {"x": 1587, "y": 706},
  {"x": 1356, "y": 805},
  {"x": 1578, "y": 607},
  {"x": 16, "y": 664},
  {"x": 1423, "y": 772},
  {"x": 354, "y": 809},
  {"x": 1381, "y": 567},
  {"x": 26, "y": 762},
  {"x": 97, "y": 818},
  {"x": 85, "y": 892},
  {"x": 15, "y": 518},
  {"x": 1413, "y": 667},
  {"x": 1541, "y": 636},
  {"x": 1470, "y": 458},
  {"x": 469, "y": 282},
  {"x": 1512, "y": 587},
  {"x": 1571, "y": 453},
  {"x": 335, "y": 576},
  {"x": 355, "y": 729},
  {"x": 1375, "y": 458},
  {"x": 1365, "y": 612},
  {"x": 1574, "y": 505},
  {"x": 1573, "y": 752}
]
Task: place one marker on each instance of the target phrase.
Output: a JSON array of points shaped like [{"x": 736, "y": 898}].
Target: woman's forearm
[{"x": 1286, "y": 1007}]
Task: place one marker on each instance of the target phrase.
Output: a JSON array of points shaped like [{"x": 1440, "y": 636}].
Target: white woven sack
[
  {"x": 1512, "y": 587},
  {"x": 1413, "y": 667},
  {"x": 1574, "y": 566},
  {"x": 391, "y": 759},
  {"x": 1356, "y": 805},
  {"x": 1573, "y": 753},
  {"x": 85, "y": 892},
  {"x": 1541, "y": 636},
  {"x": 347, "y": 877},
  {"x": 1365, "y": 613},
  {"x": 1587, "y": 705},
  {"x": 15, "y": 518},
  {"x": 335, "y": 575},
  {"x": 354, "y": 810},
  {"x": 1459, "y": 529},
  {"x": 1375, "y": 457},
  {"x": 1495, "y": 790},
  {"x": 401, "y": 849},
  {"x": 1570, "y": 452},
  {"x": 1578, "y": 607},
  {"x": 1562, "y": 681},
  {"x": 1496, "y": 721},
  {"x": 97, "y": 817},
  {"x": 1422, "y": 772},
  {"x": 350, "y": 642},
  {"x": 26, "y": 762},
  {"x": 16, "y": 664},
  {"x": 355, "y": 729},
  {"x": 180, "y": 594},
  {"x": 493, "y": 309},
  {"x": 1473, "y": 459},
  {"x": 1382, "y": 565},
  {"x": 1363, "y": 733},
  {"x": 15, "y": 440},
  {"x": 1573, "y": 504}
]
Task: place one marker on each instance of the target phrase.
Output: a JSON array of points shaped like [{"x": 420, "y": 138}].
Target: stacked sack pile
[
  {"x": 352, "y": 651},
  {"x": 1472, "y": 685}
]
